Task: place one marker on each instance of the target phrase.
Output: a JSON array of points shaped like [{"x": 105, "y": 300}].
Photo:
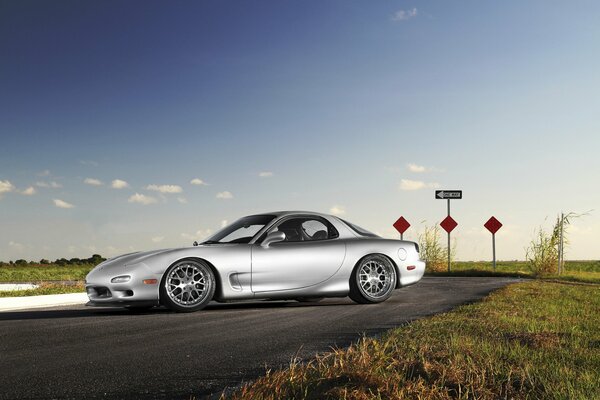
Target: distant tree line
[{"x": 94, "y": 259}]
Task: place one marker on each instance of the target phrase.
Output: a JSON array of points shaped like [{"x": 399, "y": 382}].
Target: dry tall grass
[{"x": 432, "y": 251}]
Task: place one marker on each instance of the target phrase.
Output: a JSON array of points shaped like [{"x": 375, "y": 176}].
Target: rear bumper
[{"x": 410, "y": 276}]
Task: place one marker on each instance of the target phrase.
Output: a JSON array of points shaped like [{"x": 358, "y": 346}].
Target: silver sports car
[{"x": 303, "y": 256}]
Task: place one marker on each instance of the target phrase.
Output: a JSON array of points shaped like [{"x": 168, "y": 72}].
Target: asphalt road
[{"x": 79, "y": 352}]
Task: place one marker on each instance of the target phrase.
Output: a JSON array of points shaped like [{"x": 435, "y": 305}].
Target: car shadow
[{"x": 122, "y": 312}]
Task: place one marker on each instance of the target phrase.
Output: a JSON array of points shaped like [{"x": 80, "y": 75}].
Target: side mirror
[
  {"x": 195, "y": 243},
  {"x": 273, "y": 237}
]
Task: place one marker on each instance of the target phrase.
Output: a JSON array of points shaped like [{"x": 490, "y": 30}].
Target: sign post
[
  {"x": 493, "y": 225},
  {"x": 401, "y": 226},
  {"x": 448, "y": 223}
]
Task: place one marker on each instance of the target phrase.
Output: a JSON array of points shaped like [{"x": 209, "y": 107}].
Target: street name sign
[
  {"x": 448, "y": 194},
  {"x": 448, "y": 223}
]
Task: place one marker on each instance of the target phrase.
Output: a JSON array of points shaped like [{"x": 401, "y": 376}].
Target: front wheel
[
  {"x": 373, "y": 279},
  {"x": 188, "y": 285}
]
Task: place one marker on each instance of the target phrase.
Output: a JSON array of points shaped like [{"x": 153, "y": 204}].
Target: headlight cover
[{"x": 121, "y": 279}]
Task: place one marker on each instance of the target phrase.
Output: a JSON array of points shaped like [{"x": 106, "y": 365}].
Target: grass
[
  {"x": 45, "y": 288},
  {"x": 40, "y": 273},
  {"x": 45, "y": 275},
  {"x": 529, "y": 340},
  {"x": 575, "y": 271}
]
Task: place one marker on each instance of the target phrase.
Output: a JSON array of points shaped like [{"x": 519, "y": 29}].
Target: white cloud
[
  {"x": 141, "y": 199},
  {"x": 337, "y": 210},
  {"x": 16, "y": 246},
  {"x": 421, "y": 168},
  {"x": 407, "y": 184},
  {"x": 416, "y": 168},
  {"x": 265, "y": 174},
  {"x": 198, "y": 181},
  {"x": 30, "y": 191},
  {"x": 182, "y": 200},
  {"x": 224, "y": 195},
  {"x": 157, "y": 239},
  {"x": 199, "y": 235},
  {"x": 224, "y": 223},
  {"x": 119, "y": 184},
  {"x": 403, "y": 15},
  {"x": 45, "y": 172},
  {"x": 62, "y": 204},
  {"x": 165, "y": 188},
  {"x": 92, "y": 181},
  {"x": 5, "y": 187},
  {"x": 89, "y": 162},
  {"x": 53, "y": 185}
]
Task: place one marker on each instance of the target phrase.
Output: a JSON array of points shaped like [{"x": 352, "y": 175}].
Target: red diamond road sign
[
  {"x": 401, "y": 225},
  {"x": 448, "y": 224},
  {"x": 493, "y": 225}
]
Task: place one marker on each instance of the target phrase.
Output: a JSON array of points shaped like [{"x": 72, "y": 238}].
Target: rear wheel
[
  {"x": 188, "y": 285},
  {"x": 373, "y": 279}
]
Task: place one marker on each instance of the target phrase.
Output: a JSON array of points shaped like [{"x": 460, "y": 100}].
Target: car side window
[
  {"x": 307, "y": 229},
  {"x": 242, "y": 235}
]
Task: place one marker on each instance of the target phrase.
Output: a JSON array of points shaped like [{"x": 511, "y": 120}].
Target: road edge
[{"x": 47, "y": 300}]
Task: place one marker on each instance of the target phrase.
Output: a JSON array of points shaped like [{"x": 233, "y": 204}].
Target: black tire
[
  {"x": 196, "y": 277},
  {"x": 382, "y": 281},
  {"x": 309, "y": 299}
]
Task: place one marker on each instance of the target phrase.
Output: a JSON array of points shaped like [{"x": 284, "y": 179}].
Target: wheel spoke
[
  {"x": 187, "y": 284},
  {"x": 376, "y": 278}
]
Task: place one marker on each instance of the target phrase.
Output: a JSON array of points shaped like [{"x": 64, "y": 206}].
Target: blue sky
[{"x": 363, "y": 108}]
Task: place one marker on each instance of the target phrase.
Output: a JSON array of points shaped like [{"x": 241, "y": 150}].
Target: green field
[
  {"x": 532, "y": 340},
  {"x": 41, "y": 273},
  {"x": 575, "y": 271}
]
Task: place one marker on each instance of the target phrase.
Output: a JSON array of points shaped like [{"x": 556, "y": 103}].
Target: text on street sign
[{"x": 448, "y": 194}]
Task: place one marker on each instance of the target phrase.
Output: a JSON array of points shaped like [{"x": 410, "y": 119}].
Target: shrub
[
  {"x": 432, "y": 251},
  {"x": 542, "y": 253}
]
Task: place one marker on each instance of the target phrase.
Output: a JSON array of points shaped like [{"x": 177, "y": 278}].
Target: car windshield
[
  {"x": 359, "y": 230},
  {"x": 241, "y": 231}
]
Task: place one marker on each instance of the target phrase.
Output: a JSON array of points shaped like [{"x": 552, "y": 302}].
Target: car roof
[{"x": 285, "y": 213}]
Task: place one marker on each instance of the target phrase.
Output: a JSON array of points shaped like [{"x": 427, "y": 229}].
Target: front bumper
[
  {"x": 102, "y": 292},
  {"x": 132, "y": 304}
]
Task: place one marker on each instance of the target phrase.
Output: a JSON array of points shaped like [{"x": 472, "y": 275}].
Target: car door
[{"x": 311, "y": 254}]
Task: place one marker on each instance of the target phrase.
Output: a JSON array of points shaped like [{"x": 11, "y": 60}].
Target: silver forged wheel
[
  {"x": 374, "y": 280},
  {"x": 189, "y": 285}
]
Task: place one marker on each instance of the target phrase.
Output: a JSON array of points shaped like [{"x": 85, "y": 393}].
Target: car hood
[
  {"x": 140, "y": 256},
  {"x": 134, "y": 258}
]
